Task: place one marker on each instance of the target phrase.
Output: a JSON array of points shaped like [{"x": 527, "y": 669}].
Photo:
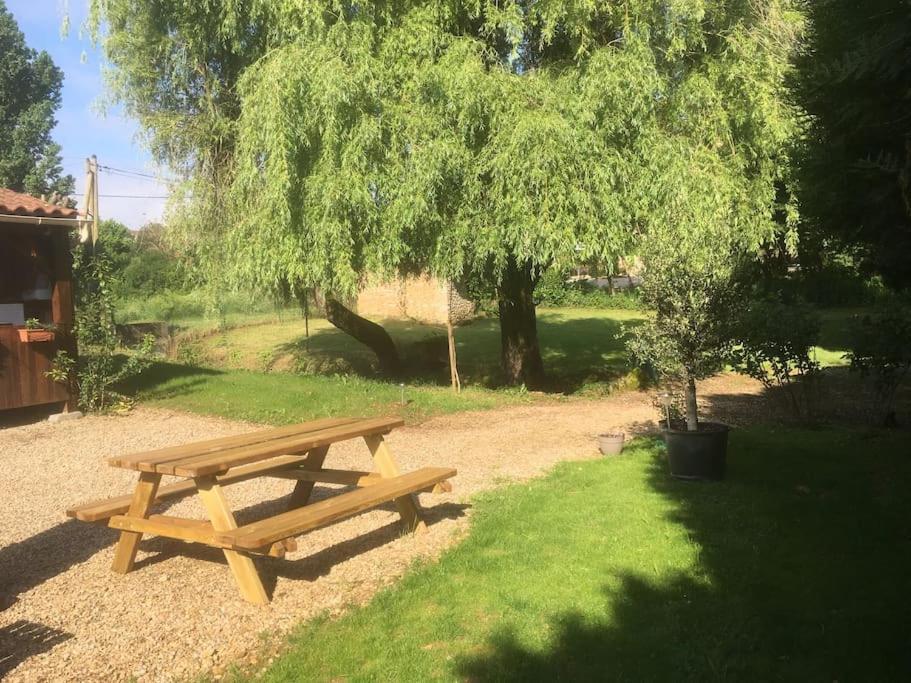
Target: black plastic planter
[{"x": 698, "y": 455}]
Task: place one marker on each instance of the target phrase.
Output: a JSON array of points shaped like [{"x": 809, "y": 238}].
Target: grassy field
[
  {"x": 578, "y": 345},
  {"x": 793, "y": 569},
  {"x": 268, "y": 370},
  {"x": 272, "y": 373}
]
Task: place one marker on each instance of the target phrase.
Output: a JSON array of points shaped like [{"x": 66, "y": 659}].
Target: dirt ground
[{"x": 65, "y": 616}]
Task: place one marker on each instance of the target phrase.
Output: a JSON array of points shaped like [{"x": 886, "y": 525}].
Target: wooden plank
[
  {"x": 189, "y": 530},
  {"x": 143, "y": 497},
  {"x": 329, "y": 476},
  {"x": 242, "y": 567},
  {"x": 348, "y": 478},
  {"x": 385, "y": 463},
  {"x": 100, "y": 510},
  {"x": 150, "y": 458},
  {"x": 295, "y": 522},
  {"x": 194, "y": 530},
  {"x": 220, "y": 462}
]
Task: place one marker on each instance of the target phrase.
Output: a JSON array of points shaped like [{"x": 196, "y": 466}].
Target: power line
[
  {"x": 126, "y": 171},
  {"x": 134, "y": 196}
]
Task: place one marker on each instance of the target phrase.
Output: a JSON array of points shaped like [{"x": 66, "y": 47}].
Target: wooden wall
[
  {"x": 23, "y": 364},
  {"x": 22, "y": 368}
]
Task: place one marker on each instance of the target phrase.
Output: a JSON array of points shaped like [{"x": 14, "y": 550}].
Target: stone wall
[{"x": 421, "y": 298}]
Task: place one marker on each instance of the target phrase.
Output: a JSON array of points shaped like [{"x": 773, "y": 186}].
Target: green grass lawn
[
  {"x": 279, "y": 398},
  {"x": 578, "y": 345},
  {"x": 798, "y": 567},
  {"x": 249, "y": 373},
  {"x": 269, "y": 371}
]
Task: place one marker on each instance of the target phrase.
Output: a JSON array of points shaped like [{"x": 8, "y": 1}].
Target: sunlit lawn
[
  {"x": 796, "y": 568},
  {"x": 273, "y": 373},
  {"x": 270, "y": 371}
]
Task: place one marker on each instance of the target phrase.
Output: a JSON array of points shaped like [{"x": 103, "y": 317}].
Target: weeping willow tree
[{"x": 472, "y": 139}]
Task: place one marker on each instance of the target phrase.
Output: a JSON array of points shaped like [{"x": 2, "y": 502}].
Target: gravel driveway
[{"x": 65, "y": 616}]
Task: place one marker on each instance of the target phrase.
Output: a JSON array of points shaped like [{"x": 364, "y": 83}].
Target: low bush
[
  {"x": 881, "y": 351},
  {"x": 93, "y": 375},
  {"x": 772, "y": 342},
  {"x": 553, "y": 290}
]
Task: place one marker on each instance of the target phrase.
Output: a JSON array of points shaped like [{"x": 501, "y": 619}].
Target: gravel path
[{"x": 66, "y": 616}]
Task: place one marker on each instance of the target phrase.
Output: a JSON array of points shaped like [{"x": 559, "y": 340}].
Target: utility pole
[{"x": 89, "y": 232}]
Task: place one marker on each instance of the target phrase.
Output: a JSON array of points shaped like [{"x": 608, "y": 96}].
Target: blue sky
[{"x": 82, "y": 128}]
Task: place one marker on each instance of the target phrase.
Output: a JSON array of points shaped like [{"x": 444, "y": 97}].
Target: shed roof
[{"x": 19, "y": 204}]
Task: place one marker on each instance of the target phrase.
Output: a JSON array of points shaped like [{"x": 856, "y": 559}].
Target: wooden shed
[{"x": 35, "y": 285}]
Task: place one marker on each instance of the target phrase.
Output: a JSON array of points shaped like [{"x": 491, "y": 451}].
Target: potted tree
[{"x": 697, "y": 237}]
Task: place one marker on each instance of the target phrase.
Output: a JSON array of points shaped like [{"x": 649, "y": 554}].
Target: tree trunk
[
  {"x": 519, "y": 351},
  {"x": 692, "y": 418},
  {"x": 367, "y": 333}
]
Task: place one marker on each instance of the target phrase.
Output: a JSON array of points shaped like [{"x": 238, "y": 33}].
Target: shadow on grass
[
  {"x": 576, "y": 352},
  {"x": 803, "y": 574},
  {"x": 165, "y": 380}
]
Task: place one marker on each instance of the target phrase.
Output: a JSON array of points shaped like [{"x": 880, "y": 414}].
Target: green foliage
[
  {"x": 773, "y": 343},
  {"x": 175, "y": 306},
  {"x": 454, "y": 137},
  {"x": 30, "y": 86},
  {"x": 836, "y": 284},
  {"x": 552, "y": 290},
  {"x": 98, "y": 369},
  {"x": 855, "y": 162},
  {"x": 150, "y": 272},
  {"x": 115, "y": 244},
  {"x": 881, "y": 349},
  {"x": 697, "y": 239}
]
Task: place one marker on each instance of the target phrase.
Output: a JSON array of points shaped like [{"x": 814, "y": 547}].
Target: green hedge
[{"x": 554, "y": 291}]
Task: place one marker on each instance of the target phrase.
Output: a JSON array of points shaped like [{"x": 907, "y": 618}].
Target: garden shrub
[
  {"x": 553, "y": 290},
  {"x": 98, "y": 368},
  {"x": 772, "y": 342},
  {"x": 881, "y": 351}
]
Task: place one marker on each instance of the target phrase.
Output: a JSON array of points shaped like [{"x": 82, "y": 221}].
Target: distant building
[{"x": 422, "y": 298}]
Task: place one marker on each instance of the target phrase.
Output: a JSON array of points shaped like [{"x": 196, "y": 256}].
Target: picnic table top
[{"x": 216, "y": 456}]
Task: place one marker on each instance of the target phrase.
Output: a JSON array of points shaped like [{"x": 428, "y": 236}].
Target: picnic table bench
[{"x": 296, "y": 452}]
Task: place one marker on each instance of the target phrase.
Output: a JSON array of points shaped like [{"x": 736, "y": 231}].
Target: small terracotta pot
[{"x": 610, "y": 444}]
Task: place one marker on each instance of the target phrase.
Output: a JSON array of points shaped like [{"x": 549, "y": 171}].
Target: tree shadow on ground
[
  {"x": 838, "y": 397},
  {"x": 29, "y": 563},
  {"x": 803, "y": 573},
  {"x": 163, "y": 380},
  {"x": 576, "y": 352},
  {"x": 23, "y": 639}
]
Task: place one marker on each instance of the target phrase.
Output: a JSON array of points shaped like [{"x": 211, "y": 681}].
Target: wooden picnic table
[{"x": 296, "y": 452}]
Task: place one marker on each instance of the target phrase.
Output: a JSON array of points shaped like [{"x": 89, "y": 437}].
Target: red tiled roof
[{"x": 25, "y": 205}]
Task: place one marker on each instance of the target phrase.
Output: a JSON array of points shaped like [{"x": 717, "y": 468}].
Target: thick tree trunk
[
  {"x": 519, "y": 352},
  {"x": 692, "y": 417},
  {"x": 367, "y": 333}
]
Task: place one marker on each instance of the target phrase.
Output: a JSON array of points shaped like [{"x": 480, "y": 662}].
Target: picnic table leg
[
  {"x": 242, "y": 567},
  {"x": 407, "y": 505},
  {"x": 143, "y": 497},
  {"x": 300, "y": 496}
]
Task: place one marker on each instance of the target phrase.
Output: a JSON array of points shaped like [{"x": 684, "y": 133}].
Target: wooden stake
[{"x": 450, "y": 338}]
